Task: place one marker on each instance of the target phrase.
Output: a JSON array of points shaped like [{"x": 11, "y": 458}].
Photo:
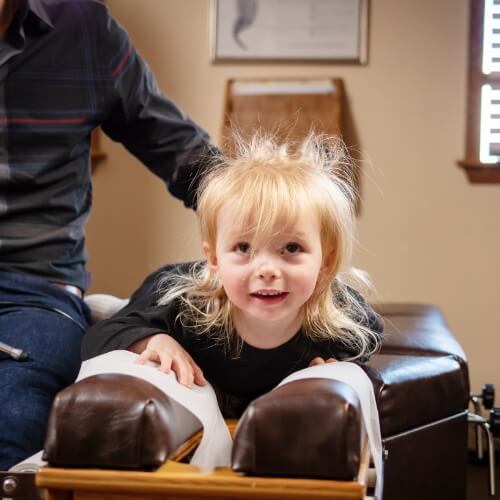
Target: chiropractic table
[{"x": 111, "y": 439}]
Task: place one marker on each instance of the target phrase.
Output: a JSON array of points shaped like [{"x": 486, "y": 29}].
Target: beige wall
[{"x": 425, "y": 233}]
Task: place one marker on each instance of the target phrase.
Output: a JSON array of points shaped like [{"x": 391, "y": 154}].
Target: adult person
[{"x": 66, "y": 67}]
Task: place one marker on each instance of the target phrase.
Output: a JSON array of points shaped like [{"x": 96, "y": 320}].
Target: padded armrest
[
  {"x": 116, "y": 421},
  {"x": 306, "y": 428},
  {"x": 417, "y": 329}
]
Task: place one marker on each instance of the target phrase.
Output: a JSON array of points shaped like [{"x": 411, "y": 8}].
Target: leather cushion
[
  {"x": 308, "y": 428},
  {"x": 418, "y": 329},
  {"x": 115, "y": 420},
  {"x": 415, "y": 390}
]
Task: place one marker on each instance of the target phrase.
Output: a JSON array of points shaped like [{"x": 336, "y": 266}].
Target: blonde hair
[{"x": 272, "y": 186}]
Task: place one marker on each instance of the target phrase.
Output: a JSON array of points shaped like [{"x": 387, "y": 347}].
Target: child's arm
[{"x": 142, "y": 327}]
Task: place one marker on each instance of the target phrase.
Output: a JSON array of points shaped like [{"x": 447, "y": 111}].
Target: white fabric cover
[{"x": 103, "y": 306}]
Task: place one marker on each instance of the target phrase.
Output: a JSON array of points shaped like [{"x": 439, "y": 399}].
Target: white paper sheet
[{"x": 30, "y": 464}]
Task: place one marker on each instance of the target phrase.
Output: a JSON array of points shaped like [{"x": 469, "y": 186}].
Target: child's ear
[{"x": 210, "y": 255}]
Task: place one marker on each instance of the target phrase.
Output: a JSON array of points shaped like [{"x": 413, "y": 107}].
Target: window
[{"x": 482, "y": 155}]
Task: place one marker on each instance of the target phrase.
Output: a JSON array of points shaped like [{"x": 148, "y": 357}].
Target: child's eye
[
  {"x": 242, "y": 248},
  {"x": 291, "y": 248}
]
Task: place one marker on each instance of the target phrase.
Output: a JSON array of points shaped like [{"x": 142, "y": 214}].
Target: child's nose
[
  {"x": 267, "y": 273},
  {"x": 267, "y": 269}
]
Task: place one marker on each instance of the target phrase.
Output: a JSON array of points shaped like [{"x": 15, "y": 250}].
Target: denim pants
[{"x": 28, "y": 321}]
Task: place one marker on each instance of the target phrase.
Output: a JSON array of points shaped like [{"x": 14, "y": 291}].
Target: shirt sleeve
[
  {"x": 141, "y": 318},
  {"x": 148, "y": 123}
]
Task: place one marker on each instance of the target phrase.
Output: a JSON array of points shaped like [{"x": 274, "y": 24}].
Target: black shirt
[
  {"x": 237, "y": 379},
  {"x": 67, "y": 67}
]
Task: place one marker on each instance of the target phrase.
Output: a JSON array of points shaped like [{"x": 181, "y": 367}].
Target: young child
[{"x": 270, "y": 298}]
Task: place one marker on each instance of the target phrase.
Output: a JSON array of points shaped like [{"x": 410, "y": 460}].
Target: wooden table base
[{"x": 175, "y": 481}]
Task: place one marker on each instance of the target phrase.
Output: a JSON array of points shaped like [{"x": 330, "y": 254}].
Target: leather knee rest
[
  {"x": 305, "y": 428},
  {"x": 308, "y": 428},
  {"x": 115, "y": 421}
]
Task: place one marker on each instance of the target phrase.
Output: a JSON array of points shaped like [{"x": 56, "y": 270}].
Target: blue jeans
[{"x": 27, "y": 388}]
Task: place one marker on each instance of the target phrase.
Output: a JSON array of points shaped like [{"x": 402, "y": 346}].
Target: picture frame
[{"x": 289, "y": 31}]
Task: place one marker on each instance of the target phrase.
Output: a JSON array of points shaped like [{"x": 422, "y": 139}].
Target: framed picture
[{"x": 289, "y": 31}]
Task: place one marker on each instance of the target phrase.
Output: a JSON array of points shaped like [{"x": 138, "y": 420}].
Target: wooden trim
[
  {"x": 481, "y": 173},
  {"x": 191, "y": 443},
  {"x": 181, "y": 481},
  {"x": 474, "y": 78},
  {"x": 175, "y": 480},
  {"x": 187, "y": 447},
  {"x": 58, "y": 495},
  {"x": 476, "y": 171}
]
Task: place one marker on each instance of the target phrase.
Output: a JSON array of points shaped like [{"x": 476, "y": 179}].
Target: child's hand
[
  {"x": 321, "y": 361},
  {"x": 163, "y": 349}
]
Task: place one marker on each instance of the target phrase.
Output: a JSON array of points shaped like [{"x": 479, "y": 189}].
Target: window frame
[{"x": 477, "y": 172}]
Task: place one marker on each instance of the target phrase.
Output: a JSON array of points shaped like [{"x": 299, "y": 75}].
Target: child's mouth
[{"x": 269, "y": 296}]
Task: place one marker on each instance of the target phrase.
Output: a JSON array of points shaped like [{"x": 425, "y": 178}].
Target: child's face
[{"x": 271, "y": 282}]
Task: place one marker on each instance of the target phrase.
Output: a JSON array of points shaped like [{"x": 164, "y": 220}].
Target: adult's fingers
[{"x": 331, "y": 360}]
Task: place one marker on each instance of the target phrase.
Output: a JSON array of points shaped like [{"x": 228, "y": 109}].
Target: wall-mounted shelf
[{"x": 289, "y": 109}]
